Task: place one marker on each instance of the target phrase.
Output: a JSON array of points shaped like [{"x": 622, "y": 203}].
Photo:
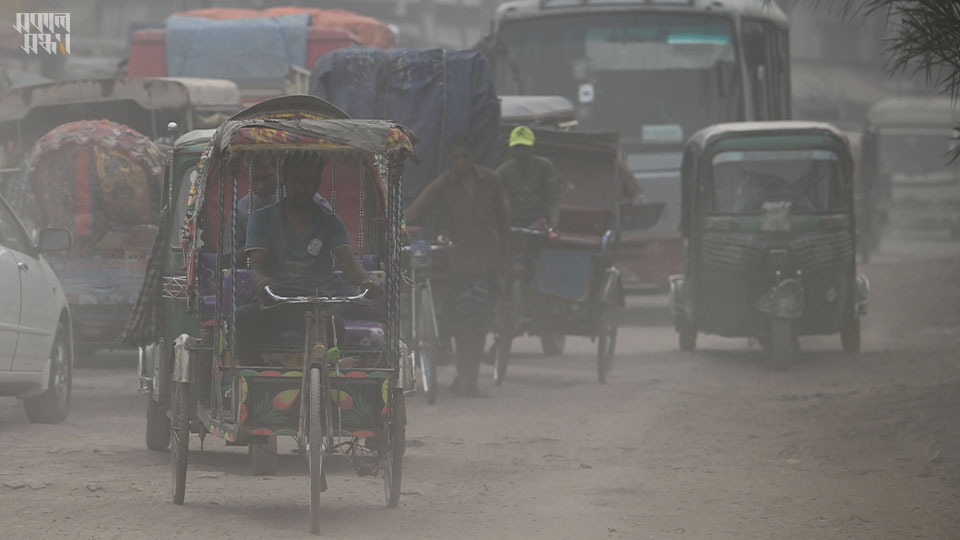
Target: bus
[{"x": 656, "y": 71}]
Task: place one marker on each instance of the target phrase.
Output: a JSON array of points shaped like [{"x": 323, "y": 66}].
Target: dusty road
[{"x": 712, "y": 444}]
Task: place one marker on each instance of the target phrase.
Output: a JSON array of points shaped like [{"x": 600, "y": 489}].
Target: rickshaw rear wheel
[
  {"x": 158, "y": 426},
  {"x": 263, "y": 457},
  {"x": 782, "y": 343},
  {"x": 606, "y": 342},
  {"x": 553, "y": 344},
  {"x": 395, "y": 448},
  {"x": 686, "y": 334},
  {"x": 430, "y": 347},
  {"x": 850, "y": 336},
  {"x": 315, "y": 436},
  {"x": 179, "y": 438}
]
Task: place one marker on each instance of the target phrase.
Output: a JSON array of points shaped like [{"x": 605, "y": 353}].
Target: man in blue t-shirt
[{"x": 291, "y": 246}]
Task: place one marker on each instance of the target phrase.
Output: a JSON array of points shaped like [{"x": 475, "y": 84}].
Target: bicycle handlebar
[{"x": 322, "y": 300}]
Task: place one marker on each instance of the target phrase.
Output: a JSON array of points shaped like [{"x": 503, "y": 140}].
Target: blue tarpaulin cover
[
  {"x": 235, "y": 49},
  {"x": 434, "y": 92}
]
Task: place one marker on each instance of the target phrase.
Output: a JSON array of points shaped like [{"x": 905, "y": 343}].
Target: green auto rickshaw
[
  {"x": 770, "y": 234},
  {"x": 159, "y": 316}
]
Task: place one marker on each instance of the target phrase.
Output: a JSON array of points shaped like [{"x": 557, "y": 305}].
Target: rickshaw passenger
[
  {"x": 530, "y": 182},
  {"x": 475, "y": 207},
  {"x": 291, "y": 245},
  {"x": 263, "y": 192}
]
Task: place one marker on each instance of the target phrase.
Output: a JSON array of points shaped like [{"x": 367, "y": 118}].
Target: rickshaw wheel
[
  {"x": 553, "y": 344},
  {"x": 395, "y": 448},
  {"x": 263, "y": 457},
  {"x": 501, "y": 357},
  {"x": 782, "y": 343},
  {"x": 179, "y": 438},
  {"x": 315, "y": 435},
  {"x": 686, "y": 334},
  {"x": 427, "y": 355},
  {"x": 850, "y": 336}
]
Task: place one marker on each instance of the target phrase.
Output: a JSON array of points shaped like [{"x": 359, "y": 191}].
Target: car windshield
[
  {"x": 180, "y": 210},
  {"x": 647, "y": 75},
  {"x": 914, "y": 153},
  {"x": 809, "y": 180}
]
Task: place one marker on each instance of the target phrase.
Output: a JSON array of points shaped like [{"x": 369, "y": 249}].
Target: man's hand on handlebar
[
  {"x": 262, "y": 297},
  {"x": 374, "y": 292}
]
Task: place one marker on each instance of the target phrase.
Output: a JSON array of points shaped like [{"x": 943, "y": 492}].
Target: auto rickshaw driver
[{"x": 291, "y": 245}]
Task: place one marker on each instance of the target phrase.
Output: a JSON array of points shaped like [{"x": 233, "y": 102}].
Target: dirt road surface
[{"x": 706, "y": 445}]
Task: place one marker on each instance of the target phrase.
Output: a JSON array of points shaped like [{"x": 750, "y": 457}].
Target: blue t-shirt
[{"x": 301, "y": 264}]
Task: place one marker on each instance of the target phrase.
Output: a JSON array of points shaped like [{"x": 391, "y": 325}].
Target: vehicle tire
[
  {"x": 606, "y": 342},
  {"x": 553, "y": 344},
  {"x": 179, "y": 438},
  {"x": 501, "y": 358},
  {"x": 315, "y": 446},
  {"x": 394, "y": 450},
  {"x": 263, "y": 457},
  {"x": 850, "y": 336},
  {"x": 52, "y": 406},
  {"x": 158, "y": 426},
  {"x": 430, "y": 346},
  {"x": 686, "y": 334},
  {"x": 782, "y": 343}
]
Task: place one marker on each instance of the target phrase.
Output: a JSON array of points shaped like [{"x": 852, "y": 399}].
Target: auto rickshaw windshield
[
  {"x": 915, "y": 152},
  {"x": 810, "y": 180}
]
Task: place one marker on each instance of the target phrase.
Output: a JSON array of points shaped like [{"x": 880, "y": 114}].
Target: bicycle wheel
[
  {"x": 606, "y": 342},
  {"x": 429, "y": 345},
  {"x": 179, "y": 438},
  {"x": 315, "y": 436}
]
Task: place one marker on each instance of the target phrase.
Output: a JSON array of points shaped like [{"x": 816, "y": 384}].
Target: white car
[{"x": 36, "y": 342}]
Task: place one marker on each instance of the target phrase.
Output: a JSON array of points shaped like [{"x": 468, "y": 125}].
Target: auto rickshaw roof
[
  {"x": 193, "y": 138},
  {"x": 785, "y": 128},
  {"x": 151, "y": 93},
  {"x": 521, "y": 109},
  {"x": 915, "y": 111}
]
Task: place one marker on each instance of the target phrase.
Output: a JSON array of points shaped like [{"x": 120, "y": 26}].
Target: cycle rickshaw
[{"x": 332, "y": 397}]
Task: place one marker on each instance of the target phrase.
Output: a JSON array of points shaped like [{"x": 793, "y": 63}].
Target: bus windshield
[
  {"x": 654, "y": 77},
  {"x": 809, "y": 180}
]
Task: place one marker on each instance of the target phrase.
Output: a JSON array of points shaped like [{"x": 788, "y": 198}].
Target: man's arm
[
  {"x": 425, "y": 202},
  {"x": 258, "y": 253},
  {"x": 261, "y": 278}
]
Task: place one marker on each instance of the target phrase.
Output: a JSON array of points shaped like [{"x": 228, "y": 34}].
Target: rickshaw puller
[
  {"x": 476, "y": 210},
  {"x": 530, "y": 182},
  {"x": 291, "y": 245}
]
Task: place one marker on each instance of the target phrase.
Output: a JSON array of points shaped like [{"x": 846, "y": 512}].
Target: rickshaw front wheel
[
  {"x": 606, "y": 342},
  {"x": 179, "y": 438},
  {"x": 315, "y": 436}
]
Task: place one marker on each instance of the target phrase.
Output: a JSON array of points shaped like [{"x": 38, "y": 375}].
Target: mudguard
[
  {"x": 612, "y": 291},
  {"x": 183, "y": 369},
  {"x": 676, "y": 294},
  {"x": 783, "y": 300}
]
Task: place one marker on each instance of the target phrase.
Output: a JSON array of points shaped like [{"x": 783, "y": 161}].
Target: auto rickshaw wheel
[
  {"x": 179, "y": 438},
  {"x": 315, "y": 436},
  {"x": 394, "y": 449},
  {"x": 850, "y": 336},
  {"x": 263, "y": 457},
  {"x": 686, "y": 334},
  {"x": 553, "y": 344},
  {"x": 782, "y": 342},
  {"x": 158, "y": 426}
]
